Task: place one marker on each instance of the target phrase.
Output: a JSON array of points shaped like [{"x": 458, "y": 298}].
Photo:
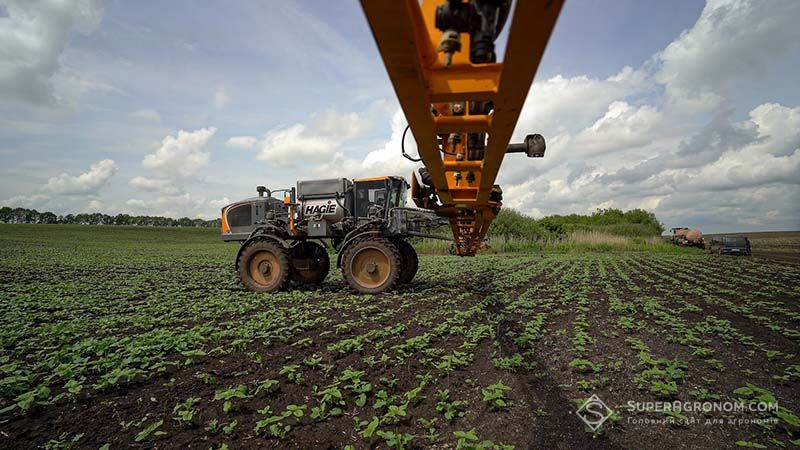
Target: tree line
[
  {"x": 636, "y": 222},
  {"x": 24, "y": 215},
  {"x": 509, "y": 223}
]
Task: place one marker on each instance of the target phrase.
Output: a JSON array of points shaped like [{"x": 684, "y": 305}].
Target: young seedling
[
  {"x": 452, "y": 409},
  {"x": 396, "y": 441},
  {"x": 495, "y": 395},
  {"x": 229, "y": 394},
  {"x": 185, "y": 411},
  {"x": 292, "y": 373}
]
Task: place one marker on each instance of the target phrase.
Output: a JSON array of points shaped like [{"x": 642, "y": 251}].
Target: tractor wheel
[
  {"x": 409, "y": 263},
  {"x": 264, "y": 266},
  {"x": 372, "y": 266},
  {"x": 318, "y": 263}
]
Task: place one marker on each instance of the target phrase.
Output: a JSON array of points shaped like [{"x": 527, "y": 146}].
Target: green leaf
[
  {"x": 149, "y": 430},
  {"x": 745, "y": 390},
  {"x": 750, "y": 444}
]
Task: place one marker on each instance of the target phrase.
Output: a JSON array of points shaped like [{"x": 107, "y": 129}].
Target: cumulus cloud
[
  {"x": 86, "y": 183},
  {"x": 731, "y": 39},
  {"x": 181, "y": 155},
  {"x": 32, "y": 37},
  {"x": 242, "y": 142},
  {"x": 296, "y": 143},
  {"x": 93, "y": 206},
  {"x": 562, "y": 105},
  {"x": 162, "y": 185},
  {"x": 175, "y": 206},
  {"x": 622, "y": 126},
  {"x": 703, "y": 147},
  {"x": 320, "y": 139},
  {"x": 781, "y": 124},
  {"x": 385, "y": 160},
  {"x": 664, "y": 137},
  {"x": 34, "y": 201},
  {"x": 721, "y": 163}
]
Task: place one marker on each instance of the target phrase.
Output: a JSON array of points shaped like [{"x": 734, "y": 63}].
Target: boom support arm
[{"x": 461, "y": 105}]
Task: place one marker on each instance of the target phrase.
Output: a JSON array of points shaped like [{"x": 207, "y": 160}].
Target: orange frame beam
[{"x": 406, "y": 36}]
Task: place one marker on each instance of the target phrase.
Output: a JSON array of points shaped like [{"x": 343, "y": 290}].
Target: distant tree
[
  {"x": 48, "y": 217},
  {"x": 24, "y": 215}
]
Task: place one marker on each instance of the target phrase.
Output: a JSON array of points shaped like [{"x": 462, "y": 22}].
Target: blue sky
[{"x": 686, "y": 108}]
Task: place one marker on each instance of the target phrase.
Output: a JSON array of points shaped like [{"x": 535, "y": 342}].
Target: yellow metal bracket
[{"x": 435, "y": 100}]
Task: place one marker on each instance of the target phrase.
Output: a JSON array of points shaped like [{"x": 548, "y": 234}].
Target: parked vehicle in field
[
  {"x": 687, "y": 237},
  {"x": 730, "y": 245},
  {"x": 365, "y": 220}
]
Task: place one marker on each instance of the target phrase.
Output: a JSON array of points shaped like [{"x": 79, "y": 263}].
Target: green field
[{"x": 142, "y": 337}]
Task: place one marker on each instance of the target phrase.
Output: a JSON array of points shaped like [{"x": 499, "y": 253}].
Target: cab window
[
  {"x": 398, "y": 195},
  {"x": 240, "y": 216},
  {"x": 369, "y": 193}
]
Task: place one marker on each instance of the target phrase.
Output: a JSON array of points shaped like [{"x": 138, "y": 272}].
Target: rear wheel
[
  {"x": 372, "y": 266},
  {"x": 310, "y": 263},
  {"x": 409, "y": 261},
  {"x": 264, "y": 266}
]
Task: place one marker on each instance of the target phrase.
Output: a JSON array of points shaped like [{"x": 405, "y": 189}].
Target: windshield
[{"x": 737, "y": 241}]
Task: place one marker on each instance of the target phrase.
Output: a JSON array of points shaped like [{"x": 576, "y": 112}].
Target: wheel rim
[
  {"x": 370, "y": 267},
  {"x": 265, "y": 268}
]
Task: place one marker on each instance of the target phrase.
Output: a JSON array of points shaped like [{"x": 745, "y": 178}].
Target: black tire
[
  {"x": 409, "y": 261},
  {"x": 320, "y": 266},
  {"x": 263, "y": 266},
  {"x": 371, "y": 265}
]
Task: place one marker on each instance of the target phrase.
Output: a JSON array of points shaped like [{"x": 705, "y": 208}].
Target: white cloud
[
  {"x": 622, "y": 126},
  {"x": 385, "y": 160},
  {"x": 321, "y": 138},
  {"x": 32, "y": 38},
  {"x": 567, "y": 105},
  {"x": 296, "y": 143},
  {"x": 94, "y": 206},
  {"x": 35, "y": 201},
  {"x": 744, "y": 169},
  {"x": 706, "y": 180},
  {"x": 731, "y": 39},
  {"x": 219, "y": 203},
  {"x": 643, "y": 138},
  {"x": 781, "y": 124},
  {"x": 662, "y": 135},
  {"x": 162, "y": 185},
  {"x": 182, "y": 155},
  {"x": 176, "y": 206},
  {"x": 221, "y": 97},
  {"x": 86, "y": 183},
  {"x": 242, "y": 142}
]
